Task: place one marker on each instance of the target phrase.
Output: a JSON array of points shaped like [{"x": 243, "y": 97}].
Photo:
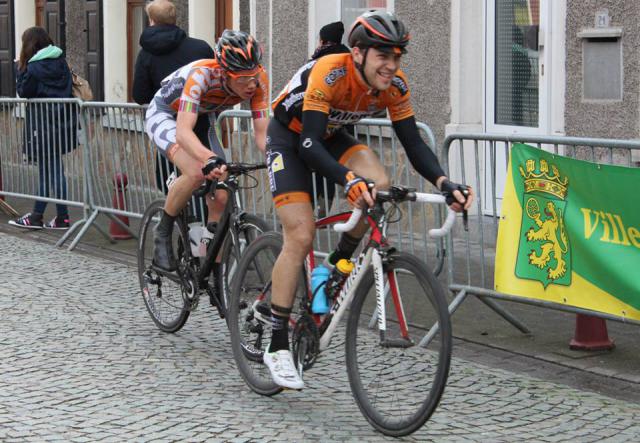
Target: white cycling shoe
[{"x": 283, "y": 371}]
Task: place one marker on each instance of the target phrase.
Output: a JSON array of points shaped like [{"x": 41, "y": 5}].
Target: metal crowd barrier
[
  {"x": 119, "y": 157},
  {"x": 122, "y": 159},
  {"x": 471, "y": 254},
  {"x": 41, "y": 154},
  {"x": 115, "y": 153},
  {"x": 409, "y": 232}
]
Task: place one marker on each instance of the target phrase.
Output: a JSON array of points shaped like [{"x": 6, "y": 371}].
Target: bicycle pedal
[{"x": 149, "y": 279}]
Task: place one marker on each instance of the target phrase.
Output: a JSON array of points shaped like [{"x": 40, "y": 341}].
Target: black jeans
[{"x": 51, "y": 173}]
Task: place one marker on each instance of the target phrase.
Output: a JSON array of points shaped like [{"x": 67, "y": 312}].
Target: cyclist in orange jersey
[
  {"x": 203, "y": 87},
  {"x": 307, "y": 134}
]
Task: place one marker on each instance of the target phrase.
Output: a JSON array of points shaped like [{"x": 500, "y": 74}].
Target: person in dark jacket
[
  {"x": 165, "y": 49},
  {"x": 330, "y": 41},
  {"x": 50, "y": 128}
]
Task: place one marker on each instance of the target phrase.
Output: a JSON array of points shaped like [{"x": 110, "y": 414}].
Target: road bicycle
[
  {"x": 384, "y": 308},
  {"x": 171, "y": 296}
]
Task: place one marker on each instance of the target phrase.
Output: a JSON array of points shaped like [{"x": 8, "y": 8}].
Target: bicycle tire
[
  {"x": 367, "y": 368},
  {"x": 250, "y": 227},
  {"x": 248, "y": 334},
  {"x": 153, "y": 299}
]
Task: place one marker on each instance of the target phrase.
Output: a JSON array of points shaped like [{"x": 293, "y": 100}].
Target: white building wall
[
  {"x": 24, "y": 17},
  {"x": 202, "y": 20},
  {"x": 114, "y": 14}
]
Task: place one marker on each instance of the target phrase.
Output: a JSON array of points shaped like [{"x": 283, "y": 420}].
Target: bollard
[
  {"x": 591, "y": 334},
  {"x": 115, "y": 230}
]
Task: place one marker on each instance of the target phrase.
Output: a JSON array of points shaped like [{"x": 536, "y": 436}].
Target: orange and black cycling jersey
[
  {"x": 332, "y": 85},
  {"x": 199, "y": 87}
]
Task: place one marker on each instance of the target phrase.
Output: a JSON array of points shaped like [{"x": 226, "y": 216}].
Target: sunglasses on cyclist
[{"x": 244, "y": 78}]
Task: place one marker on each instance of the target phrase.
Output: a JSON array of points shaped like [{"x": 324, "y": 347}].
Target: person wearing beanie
[
  {"x": 330, "y": 41},
  {"x": 332, "y": 32}
]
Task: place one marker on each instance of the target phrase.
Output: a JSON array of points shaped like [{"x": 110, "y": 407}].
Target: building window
[
  {"x": 137, "y": 21},
  {"x": 516, "y": 63},
  {"x": 351, "y": 9}
]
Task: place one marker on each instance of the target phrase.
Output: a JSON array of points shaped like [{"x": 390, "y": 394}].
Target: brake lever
[{"x": 465, "y": 213}]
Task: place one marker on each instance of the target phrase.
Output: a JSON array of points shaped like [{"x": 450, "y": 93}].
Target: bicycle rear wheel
[
  {"x": 397, "y": 384},
  {"x": 164, "y": 298}
]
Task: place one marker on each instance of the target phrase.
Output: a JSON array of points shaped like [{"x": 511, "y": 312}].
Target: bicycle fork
[{"x": 380, "y": 315}]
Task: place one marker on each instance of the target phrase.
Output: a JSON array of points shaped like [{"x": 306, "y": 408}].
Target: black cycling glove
[
  {"x": 211, "y": 164},
  {"x": 448, "y": 187}
]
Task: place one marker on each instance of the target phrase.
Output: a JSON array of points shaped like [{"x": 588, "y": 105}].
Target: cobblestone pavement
[{"x": 80, "y": 360}]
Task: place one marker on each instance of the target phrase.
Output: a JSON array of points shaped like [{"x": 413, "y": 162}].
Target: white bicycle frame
[{"x": 373, "y": 258}]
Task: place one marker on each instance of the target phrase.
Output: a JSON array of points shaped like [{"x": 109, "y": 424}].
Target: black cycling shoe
[
  {"x": 163, "y": 257},
  {"x": 262, "y": 312}
]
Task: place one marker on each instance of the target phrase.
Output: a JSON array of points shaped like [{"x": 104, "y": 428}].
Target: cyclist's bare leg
[
  {"x": 177, "y": 198},
  {"x": 298, "y": 228},
  {"x": 190, "y": 179}
]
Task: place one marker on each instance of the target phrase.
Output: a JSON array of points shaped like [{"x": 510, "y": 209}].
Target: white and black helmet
[{"x": 238, "y": 51}]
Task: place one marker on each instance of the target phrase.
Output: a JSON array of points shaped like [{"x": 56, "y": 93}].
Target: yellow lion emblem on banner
[{"x": 548, "y": 232}]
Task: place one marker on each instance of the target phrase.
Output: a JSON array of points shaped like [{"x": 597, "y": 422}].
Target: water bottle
[
  {"x": 195, "y": 236},
  {"x": 338, "y": 277},
  {"x": 319, "y": 278},
  {"x": 207, "y": 236}
]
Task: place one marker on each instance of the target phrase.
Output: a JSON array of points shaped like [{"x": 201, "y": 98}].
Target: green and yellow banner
[{"x": 570, "y": 233}]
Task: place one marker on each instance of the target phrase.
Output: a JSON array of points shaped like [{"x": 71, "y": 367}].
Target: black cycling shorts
[{"x": 290, "y": 179}]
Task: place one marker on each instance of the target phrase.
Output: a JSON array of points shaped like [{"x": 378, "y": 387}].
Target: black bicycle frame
[{"x": 222, "y": 228}]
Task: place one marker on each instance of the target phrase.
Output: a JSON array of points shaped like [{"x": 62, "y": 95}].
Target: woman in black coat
[{"x": 50, "y": 128}]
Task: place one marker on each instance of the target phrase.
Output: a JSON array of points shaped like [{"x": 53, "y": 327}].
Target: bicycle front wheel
[
  {"x": 396, "y": 382},
  {"x": 164, "y": 298}
]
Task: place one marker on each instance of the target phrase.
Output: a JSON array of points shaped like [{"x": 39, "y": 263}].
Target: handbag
[{"x": 80, "y": 87}]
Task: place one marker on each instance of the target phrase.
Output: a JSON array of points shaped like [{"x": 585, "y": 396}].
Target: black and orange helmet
[
  {"x": 380, "y": 30},
  {"x": 238, "y": 51}
]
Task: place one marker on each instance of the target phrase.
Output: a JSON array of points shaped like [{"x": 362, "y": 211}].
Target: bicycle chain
[{"x": 305, "y": 335}]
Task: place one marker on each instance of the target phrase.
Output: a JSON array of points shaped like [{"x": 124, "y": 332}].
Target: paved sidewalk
[
  {"x": 80, "y": 360},
  {"x": 544, "y": 353}
]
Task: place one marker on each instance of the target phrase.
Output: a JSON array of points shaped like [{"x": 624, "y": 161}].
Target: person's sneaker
[
  {"x": 59, "y": 222},
  {"x": 27, "y": 221},
  {"x": 283, "y": 371}
]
